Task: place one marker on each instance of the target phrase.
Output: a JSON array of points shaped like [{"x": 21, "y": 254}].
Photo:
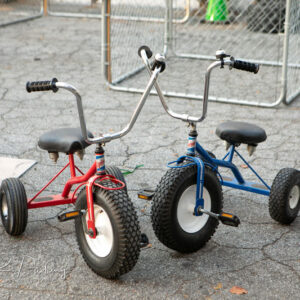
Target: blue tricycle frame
[{"x": 237, "y": 182}]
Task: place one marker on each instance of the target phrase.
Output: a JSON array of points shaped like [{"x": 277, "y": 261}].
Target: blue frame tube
[
  {"x": 200, "y": 178},
  {"x": 231, "y": 153},
  {"x": 238, "y": 181},
  {"x": 249, "y": 166},
  {"x": 220, "y": 163}
]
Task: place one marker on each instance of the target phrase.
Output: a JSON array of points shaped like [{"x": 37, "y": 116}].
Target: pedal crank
[{"x": 225, "y": 218}]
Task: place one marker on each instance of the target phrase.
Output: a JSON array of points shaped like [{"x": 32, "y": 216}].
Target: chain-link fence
[
  {"x": 249, "y": 30},
  {"x": 92, "y": 9},
  {"x": 127, "y": 34},
  {"x": 246, "y": 29},
  {"x": 189, "y": 32},
  {"x": 74, "y": 8},
  {"x": 293, "y": 70},
  {"x": 16, "y": 11},
  {"x": 128, "y": 25}
]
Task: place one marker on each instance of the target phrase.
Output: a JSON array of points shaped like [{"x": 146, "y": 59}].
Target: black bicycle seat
[
  {"x": 241, "y": 133},
  {"x": 66, "y": 140}
]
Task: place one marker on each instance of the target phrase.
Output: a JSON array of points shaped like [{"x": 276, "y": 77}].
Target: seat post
[
  {"x": 191, "y": 147},
  {"x": 100, "y": 161}
]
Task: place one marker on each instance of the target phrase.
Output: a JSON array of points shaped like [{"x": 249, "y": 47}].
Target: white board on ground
[{"x": 14, "y": 167}]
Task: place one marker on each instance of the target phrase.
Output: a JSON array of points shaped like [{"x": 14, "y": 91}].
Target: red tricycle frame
[{"x": 68, "y": 197}]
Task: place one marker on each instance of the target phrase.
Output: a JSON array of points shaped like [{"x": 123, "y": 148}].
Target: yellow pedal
[
  {"x": 69, "y": 215},
  {"x": 146, "y": 194},
  {"x": 226, "y": 215},
  {"x": 229, "y": 219}
]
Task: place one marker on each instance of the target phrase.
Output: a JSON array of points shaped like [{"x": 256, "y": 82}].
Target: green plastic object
[
  {"x": 126, "y": 171},
  {"x": 216, "y": 11}
]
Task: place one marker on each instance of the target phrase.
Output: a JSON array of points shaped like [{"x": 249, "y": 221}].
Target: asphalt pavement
[{"x": 260, "y": 256}]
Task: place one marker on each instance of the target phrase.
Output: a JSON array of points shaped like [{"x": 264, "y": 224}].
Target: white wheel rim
[
  {"x": 103, "y": 243},
  {"x": 4, "y": 207},
  {"x": 185, "y": 210},
  {"x": 294, "y": 196}
]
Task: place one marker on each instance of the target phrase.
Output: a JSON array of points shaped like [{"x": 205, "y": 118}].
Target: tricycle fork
[
  {"x": 100, "y": 176},
  {"x": 91, "y": 229}
]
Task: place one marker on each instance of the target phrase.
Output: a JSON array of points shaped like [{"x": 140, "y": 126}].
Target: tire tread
[
  {"x": 279, "y": 194},
  {"x": 16, "y": 195},
  {"x": 127, "y": 221},
  {"x": 162, "y": 202}
]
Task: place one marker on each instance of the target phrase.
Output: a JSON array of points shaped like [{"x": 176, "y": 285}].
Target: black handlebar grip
[
  {"x": 147, "y": 49},
  {"x": 38, "y": 86},
  {"x": 246, "y": 66}
]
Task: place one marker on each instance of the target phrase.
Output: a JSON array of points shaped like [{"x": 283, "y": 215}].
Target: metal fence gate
[
  {"x": 126, "y": 26},
  {"x": 264, "y": 31},
  {"x": 92, "y": 9},
  {"x": 293, "y": 55},
  {"x": 74, "y": 8},
  {"x": 13, "y": 12},
  {"x": 189, "y": 32}
]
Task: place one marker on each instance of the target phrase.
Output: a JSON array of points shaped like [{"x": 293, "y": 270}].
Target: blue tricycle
[{"x": 188, "y": 201}]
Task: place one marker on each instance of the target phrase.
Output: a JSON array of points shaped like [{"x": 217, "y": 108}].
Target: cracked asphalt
[{"x": 261, "y": 256}]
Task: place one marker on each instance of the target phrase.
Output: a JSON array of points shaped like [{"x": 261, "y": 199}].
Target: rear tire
[
  {"x": 284, "y": 201},
  {"x": 173, "y": 205},
  {"x": 13, "y": 204},
  {"x": 116, "y": 249}
]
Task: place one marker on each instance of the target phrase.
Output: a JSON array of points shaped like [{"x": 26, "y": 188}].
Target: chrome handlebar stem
[{"x": 185, "y": 117}]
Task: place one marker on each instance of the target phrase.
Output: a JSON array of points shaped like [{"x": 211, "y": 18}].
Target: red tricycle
[{"x": 106, "y": 223}]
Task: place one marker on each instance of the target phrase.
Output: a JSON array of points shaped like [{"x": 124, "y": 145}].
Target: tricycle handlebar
[
  {"x": 224, "y": 60},
  {"x": 54, "y": 85}
]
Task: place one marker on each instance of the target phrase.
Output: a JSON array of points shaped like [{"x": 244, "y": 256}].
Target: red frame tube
[
  {"x": 90, "y": 205},
  {"x": 72, "y": 165},
  {"x": 88, "y": 179},
  {"x": 33, "y": 198},
  {"x": 64, "y": 197},
  {"x": 78, "y": 179},
  {"x": 52, "y": 200}
]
